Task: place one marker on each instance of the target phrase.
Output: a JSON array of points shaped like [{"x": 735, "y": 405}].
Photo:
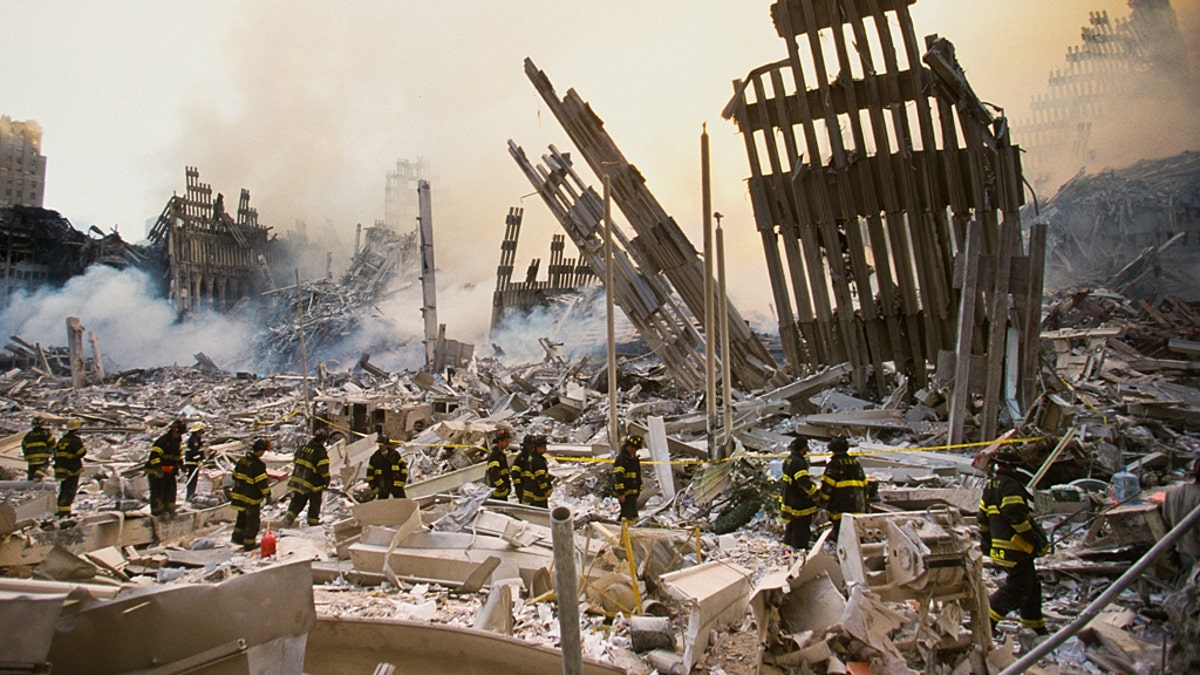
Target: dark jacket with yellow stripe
[
  {"x": 799, "y": 496},
  {"x": 310, "y": 469},
  {"x": 536, "y": 480},
  {"x": 1006, "y": 525},
  {"x": 250, "y": 483},
  {"x": 497, "y": 474},
  {"x": 387, "y": 472},
  {"x": 627, "y": 475},
  {"x": 68, "y": 456},
  {"x": 844, "y": 487},
  {"x": 165, "y": 452},
  {"x": 37, "y": 446}
]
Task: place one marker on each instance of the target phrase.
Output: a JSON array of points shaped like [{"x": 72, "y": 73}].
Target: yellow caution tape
[{"x": 926, "y": 448}]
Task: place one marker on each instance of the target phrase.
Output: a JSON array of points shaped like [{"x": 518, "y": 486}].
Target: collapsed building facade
[
  {"x": 212, "y": 260},
  {"x": 564, "y": 276},
  {"x": 888, "y": 195},
  {"x": 1120, "y": 65}
]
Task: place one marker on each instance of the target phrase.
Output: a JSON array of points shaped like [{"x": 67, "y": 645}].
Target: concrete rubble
[
  {"x": 963, "y": 352},
  {"x": 900, "y": 590}
]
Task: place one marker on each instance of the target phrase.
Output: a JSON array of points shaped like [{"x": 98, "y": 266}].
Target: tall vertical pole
[
  {"x": 614, "y": 430},
  {"x": 723, "y": 299},
  {"x": 303, "y": 353},
  {"x": 428, "y": 283},
  {"x": 710, "y": 342},
  {"x": 566, "y": 587}
]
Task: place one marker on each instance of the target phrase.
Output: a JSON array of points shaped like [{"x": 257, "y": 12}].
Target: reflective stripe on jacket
[
  {"x": 310, "y": 468},
  {"x": 536, "y": 481},
  {"x": 844, "y": 487},
  {"x": 250, "y": 483},
  {"x": 387, "y": 472},
  {"x": 1006, "y": 521},
  {"x": 627, "y": 475},
  {"x": 165, "y": 452},
  {"x": 37, "y": 446},
  {"x": 68, "y": 456},
  {"x": 799, "y": 496},
  {"x": 497, "y": 474}
]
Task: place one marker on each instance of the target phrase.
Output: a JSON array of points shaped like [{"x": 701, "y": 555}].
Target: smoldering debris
[{"x": 1107, "y": 406}]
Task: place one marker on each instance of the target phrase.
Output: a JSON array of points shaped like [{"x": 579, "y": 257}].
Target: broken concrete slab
[
  {"x": 139, "y": 630},
  {"x": 340, "y": 645},
  {"x": 716, "y": 594}
]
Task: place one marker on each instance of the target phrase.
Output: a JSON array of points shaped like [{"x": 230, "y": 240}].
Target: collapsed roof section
[
  {"x": 211, "y": 260},
  {"x": 887, "y": 198},
  {"x": 659, "y": 256},
  {"x": 41, "y": 247}
]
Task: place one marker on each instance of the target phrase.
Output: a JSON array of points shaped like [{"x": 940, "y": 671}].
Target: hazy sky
[{"x": 307, "y": 104}]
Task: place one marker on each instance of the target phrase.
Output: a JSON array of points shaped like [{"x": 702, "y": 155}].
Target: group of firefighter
[
  {"x": 1008, "y": 532},
  {"x": 530, "y": 480}
]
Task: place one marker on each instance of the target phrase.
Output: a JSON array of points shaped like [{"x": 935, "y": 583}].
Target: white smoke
[{"x": 134, "y": 325}]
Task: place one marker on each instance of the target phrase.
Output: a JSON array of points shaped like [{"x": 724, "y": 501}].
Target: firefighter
[
  {"x": 519, "y": 466},
  {"x": 37, "y": 444},
  {"x": 161, "y": 469},
  {"x": 799, "y": 498},
  {"x": 68, "y": 466},
  {"x": 627, "y": 477},
  {"x": 251, "y": 488},
  {"x": 844, "y": 484},
  {"x": 193, "y": 457},
  {"x": 536, "y": 481},
  {"x": 310, "y": 477},
  {"x": 387, "y": 472},
  {"x": 1009, "y": 534},
  {"x": 497, "y": 465}
]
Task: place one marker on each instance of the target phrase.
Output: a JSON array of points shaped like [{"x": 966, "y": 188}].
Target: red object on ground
[{"x": 267, "y": 548}]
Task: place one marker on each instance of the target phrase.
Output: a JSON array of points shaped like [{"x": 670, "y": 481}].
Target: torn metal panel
[
  {"x": 24, "y": 501},
  {"x": 346, "y": 646},
  {"x": 716, "y": 593},
  {"x": 262, "y": 624},
  {"x": 815, "y": 563},
  {"x": 447, "y": 556},
  {"x": 663, "y": 471}
]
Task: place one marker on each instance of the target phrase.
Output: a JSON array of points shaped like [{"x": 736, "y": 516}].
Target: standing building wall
[
  {"x": 22, "y": 166},
  {"x": 212, "y": 260}
]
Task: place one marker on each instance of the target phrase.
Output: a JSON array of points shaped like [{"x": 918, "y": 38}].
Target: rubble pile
[
  {"x": 707, "y": 547},
  {"x": 1145, "y": 213},
  {"x": 331, "y": 310}
]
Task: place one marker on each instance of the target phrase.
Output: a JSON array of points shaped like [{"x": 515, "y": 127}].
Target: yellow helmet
[{"x": 74, "y": 423}]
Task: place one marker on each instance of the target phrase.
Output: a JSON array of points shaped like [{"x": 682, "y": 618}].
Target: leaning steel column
[{"x": 566, "y": 588}]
